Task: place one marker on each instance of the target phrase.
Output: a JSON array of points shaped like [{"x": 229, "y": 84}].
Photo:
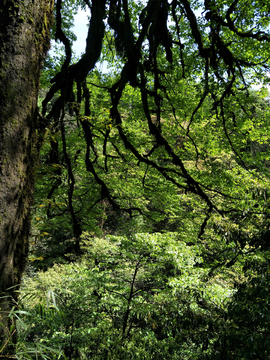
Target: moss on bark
[{"x": 21, "y": 56}]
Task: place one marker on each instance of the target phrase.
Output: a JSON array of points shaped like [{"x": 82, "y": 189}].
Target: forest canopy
[
  {"x": 150, "y": 223},
  {"x": 174, "y": 126}
]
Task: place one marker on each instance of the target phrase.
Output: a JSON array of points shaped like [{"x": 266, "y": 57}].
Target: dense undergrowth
[{"x": 147, "y": 296}]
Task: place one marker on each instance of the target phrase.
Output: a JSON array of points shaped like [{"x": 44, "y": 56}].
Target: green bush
[{"x": 142, "y": 297}]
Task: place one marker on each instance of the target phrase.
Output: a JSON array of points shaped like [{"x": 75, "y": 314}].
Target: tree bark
[{"x": 24, "y": 40}]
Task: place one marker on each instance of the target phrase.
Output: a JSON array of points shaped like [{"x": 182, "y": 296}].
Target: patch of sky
[{"x": 80, "y": 29}]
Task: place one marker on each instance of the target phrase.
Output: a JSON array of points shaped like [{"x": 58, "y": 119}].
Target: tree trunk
[{"x": 24, "y": 40}]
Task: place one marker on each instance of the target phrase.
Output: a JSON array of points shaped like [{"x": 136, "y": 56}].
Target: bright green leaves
[
  {"x": 221, "y": 144},
  {"x": 159, "y": 147},
  {"x": 130, "y": 297}
]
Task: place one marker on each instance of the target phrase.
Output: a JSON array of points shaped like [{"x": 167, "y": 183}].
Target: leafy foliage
[
  {"x": 152, "y": 192},
  {"x": 131, "y": 297}
]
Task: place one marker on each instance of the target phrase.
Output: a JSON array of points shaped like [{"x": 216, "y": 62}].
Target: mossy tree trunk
[{"x": 24, "y": 40}]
